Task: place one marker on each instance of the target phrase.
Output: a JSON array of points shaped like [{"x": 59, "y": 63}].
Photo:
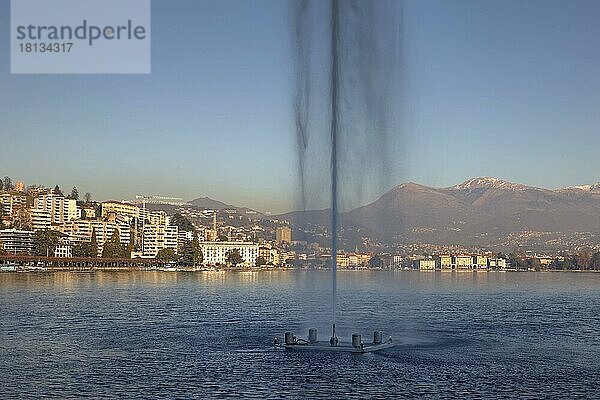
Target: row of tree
[
  {"x": 6, "y": 183},
  {"x": 585, "y": 261}
]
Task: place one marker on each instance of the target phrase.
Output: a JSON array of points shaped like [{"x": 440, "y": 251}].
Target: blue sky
[{"x": 509, "y": 89}]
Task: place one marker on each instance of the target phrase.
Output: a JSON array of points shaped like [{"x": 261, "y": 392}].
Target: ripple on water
[{"x": 149, "y": 335}]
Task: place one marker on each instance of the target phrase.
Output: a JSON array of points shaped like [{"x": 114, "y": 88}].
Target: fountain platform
[{"x": 291, "y": 342}]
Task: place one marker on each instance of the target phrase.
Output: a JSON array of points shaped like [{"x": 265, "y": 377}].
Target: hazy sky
[{"x": 509, "y": 89}]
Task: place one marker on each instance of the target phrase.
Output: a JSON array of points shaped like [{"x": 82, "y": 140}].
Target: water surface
[{"x": 181, "y": 335}]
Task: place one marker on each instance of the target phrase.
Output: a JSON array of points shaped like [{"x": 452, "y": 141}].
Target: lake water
[{"x": 209, "y": 335}]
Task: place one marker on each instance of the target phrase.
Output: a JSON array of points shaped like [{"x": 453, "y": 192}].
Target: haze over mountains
[{"x": 481, "y": 210}]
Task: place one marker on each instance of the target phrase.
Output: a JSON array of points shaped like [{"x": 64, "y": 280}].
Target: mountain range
[{"x": 481, "y": 210}]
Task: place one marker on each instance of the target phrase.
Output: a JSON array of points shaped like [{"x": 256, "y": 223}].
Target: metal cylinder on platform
[
  {"x": 312, "y": 335},
  {"x": 377, "y": 337},
  {"x": 289, "y": 338},
  {"x": 356, "y": 340}
]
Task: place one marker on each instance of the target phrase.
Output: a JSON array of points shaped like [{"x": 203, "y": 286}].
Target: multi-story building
[
  {"x": 158, "y": 218},
  {"x": 210, "y": 235},
  {"x": 158, "y": 237},
  {"x": 35, "y": 191},
  {"x": 443, "y": 261},
  {"x": 215, "y": 253},
  {"x": 20, "y": 186},
  {"x": 462, "y": 262},
  {"x": 61, "y": 209},
  {"x": 81, "y": 231},
  {"x": 120, "y": 208},
  {"x": 40, "y": 219},
  {"x": 15, "y": 241},
  {"x": 184, "y": 236},
  {"x": 342, "y": 260},
  {"x": 283, "y": 234},
  {"x": 270, "y": 254},
  {"x": 88, "y": 212},
  {"x": 499, "y": 263},
  {"x": 63, "y": 250},
  {"x": 480, "y": 262},
  {"x": 12, "y": 201},
  {"x": 427, "y": 263}
]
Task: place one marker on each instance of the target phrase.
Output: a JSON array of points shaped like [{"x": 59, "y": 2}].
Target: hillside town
[{"x": 44, "y": 222}]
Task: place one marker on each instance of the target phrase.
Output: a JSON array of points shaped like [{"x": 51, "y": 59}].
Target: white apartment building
[
  {"x": 184, "y": 236},
  {"x": 120, "y": 208},
  {"x": 158, "y": 218},
  {"x": 15, "y": 241},
  {"x": 10, "y": 201},
  {"x": 63, "y": 251},
  {"x": 60, "y": 209},
  {"x": 158, "y": 237},
  {"x": 216, "y": 252},
  {"x": 40, "y": 219},
  {"x": 81, "y": 231}
]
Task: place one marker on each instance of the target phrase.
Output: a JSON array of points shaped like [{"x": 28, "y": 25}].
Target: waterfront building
[
  {"x": 120, "y": 208},
  {"x": 462, "y": 262},
  {"x": 499, "y": 263},
  {"x": 270, "y": 254},
  {"x": 63, "y": 250},
  {"x": 342, "y": 260},
  {"x": 443, "y": 261},
  {"x": 283, "y": 234},
  {"x": 480, "y": 262},
  {"x": 81, "y": 231},
  {"x": 16, "y": 241},
  {"x": 427, "y": 263},
  {"x": 397, "y": 260},
  {"x": 159, "y": 236},
  {"x": 215, "y": 253}
]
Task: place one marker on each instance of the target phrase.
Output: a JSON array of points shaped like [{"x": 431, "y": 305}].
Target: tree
[
  {"x": 45, "y": 242},
  {"x": 534, "y": 264},
  {"x": 83, "y": 250},
  {"x": 94, "y": 244},
  {"x": 234, "y": 258},
  {"x": 58, "y": 191},
  {"x": 191, "y": 254},
  {"x": 113, "y": 247},
  {"x": 375, "y": 262},
  {"x": 7, "y": 183},
  {"x": 87, "y": 197},
  {"x": 74, "y": 193},
  {"x": 1, "y": 185},
  {"x": 260, "y": 261},
  {"x": 182, "y": 223},
  {"x": 22, "y": 219},
  {"x": 595, "y": 263},
  {"x": 222, "y": 238},
  {"x": 166, "y": 255}
]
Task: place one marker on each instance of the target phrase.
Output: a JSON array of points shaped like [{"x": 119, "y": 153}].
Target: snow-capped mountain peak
[{"x": 487, "y": 182}]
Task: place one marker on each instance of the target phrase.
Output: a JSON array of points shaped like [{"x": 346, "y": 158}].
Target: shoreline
[{"x": 269, "y": 269}]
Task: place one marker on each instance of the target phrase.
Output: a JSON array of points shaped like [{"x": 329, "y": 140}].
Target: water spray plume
[{"x": 346, "y": 109}]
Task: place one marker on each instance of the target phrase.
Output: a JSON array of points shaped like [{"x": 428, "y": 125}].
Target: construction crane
[{"x": 153, "y": 199}]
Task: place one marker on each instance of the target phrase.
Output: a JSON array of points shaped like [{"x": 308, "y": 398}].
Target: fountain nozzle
[{"x": 334, "y": 340}]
